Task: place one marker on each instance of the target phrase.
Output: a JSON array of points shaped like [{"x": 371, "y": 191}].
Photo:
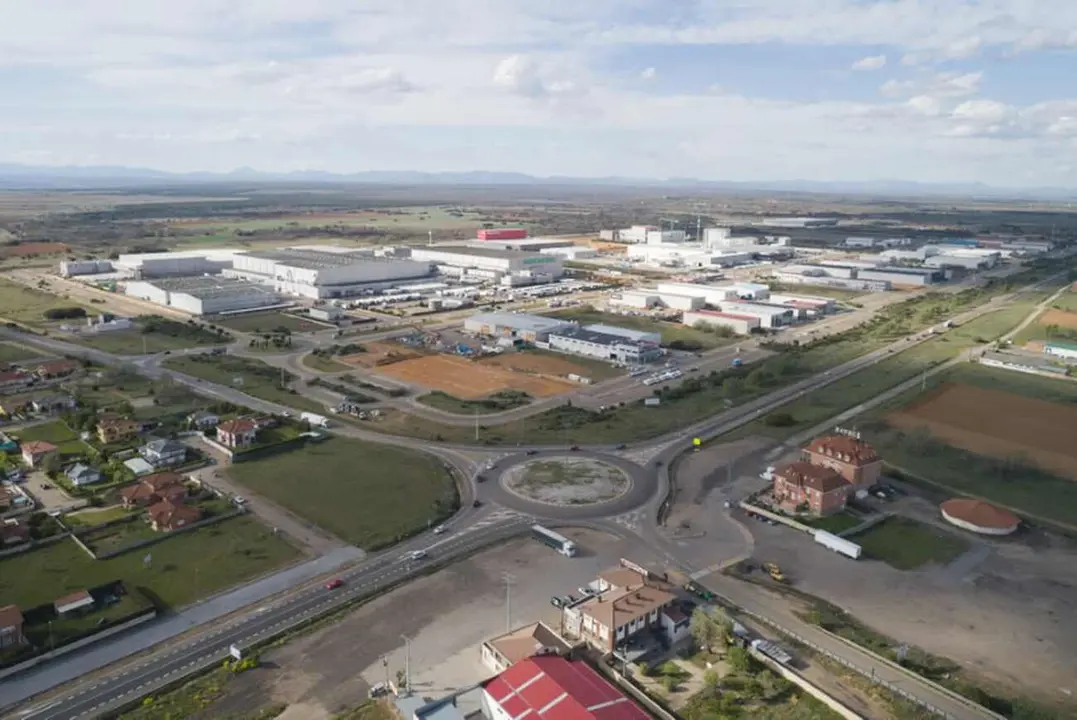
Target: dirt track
[
  {"x": 469, "y": 380},
  {"x": 998, "y": 424}
]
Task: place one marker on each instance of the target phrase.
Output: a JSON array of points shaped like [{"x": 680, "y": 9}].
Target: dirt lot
[
  {"x": 378, "y": 353},
  {"x": 469, "y": 380},
  {"x": 533, "y": 363},
  {"x": 447, "y": 615},
  {"x": 1060, "y": 318},
  {"x": 999, "y": 424},
  {"x": 41, "y": 248}
]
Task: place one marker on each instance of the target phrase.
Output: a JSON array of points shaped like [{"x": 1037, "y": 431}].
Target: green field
[
  {"x": 408, "y": 218},
  {"x": 320, "y": 363},
  {"x": 12, "y": 353},
  {"x": 906, "y": 544},
  {"x": 839, "y": 522},
  {"x": 268, "y": 322},
  {"x": 367, "y": 494},
  {"x": 673, "y": 335},
  {"x": 154, "y": 335},
  {"x": 22, "y": 304},
  {"x": 253, "y": 377},
  {"x": 497, "y": 402},
  {"x": 818, "y": 406},
  {"x": 58, "y": 433},
  {"x": 89, "y": 518},
  {"x": 835, "y": 293},
  {"x": 597, "y": 370},
  {"x": 184, "y": 568}
]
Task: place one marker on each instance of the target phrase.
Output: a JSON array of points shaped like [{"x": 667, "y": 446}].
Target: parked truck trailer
[
  {"x": 838, "y": 544},
  {"x": 314, "y": 419}
]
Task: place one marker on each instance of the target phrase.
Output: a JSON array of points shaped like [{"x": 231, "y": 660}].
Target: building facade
[
  {"x": 604, "y": 346},
  {"x": 740, "y": 324},
  {"x": 801, "y": 486},
  {"x": 517, "y": 326},
  {"x": 851, "y": 457}
]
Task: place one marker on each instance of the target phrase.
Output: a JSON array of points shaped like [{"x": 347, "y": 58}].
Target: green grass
[
  {"x": 256, "y": 378},
  {"x": 497, "y": 402},
  {"x": 1066, "y": 302},
  {"x": 136, "y": 342},
  {"x": 12, "y": 353},
  {"x": 26, "y": 305},
  {"x": 906, "y": 544},
  {"x": 818, "y": 406},
  {"x": 367, "y": 494},
  {"x": 268, "y": 322},
  {"x": 839, "y": 522},
  {"x": 597, "y": 370},
  {"x": 834, "y": 293},
  {"x": 184, "y": 568},
  {"x": 672, "y": 334},
  {"x": 320, "y": 363},
  {"x": 59, "y": 434},
  {"x": 89, "y": 518}
]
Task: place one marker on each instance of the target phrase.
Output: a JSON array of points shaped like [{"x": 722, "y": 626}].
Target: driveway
[{"x": 311, "y": 539}]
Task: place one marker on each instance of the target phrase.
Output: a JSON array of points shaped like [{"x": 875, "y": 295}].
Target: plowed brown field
[
  {"x": 470, "y": 380},
  {"x": 998, "y": 424},
  {"x": 1058, "y": 317}
]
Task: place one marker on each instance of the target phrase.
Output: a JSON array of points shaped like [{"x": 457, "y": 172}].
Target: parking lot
[{"x": 49, "y": 495}]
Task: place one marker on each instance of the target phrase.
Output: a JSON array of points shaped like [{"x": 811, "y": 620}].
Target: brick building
[
  {"x": 851, "y": 457},
  {"x": 822, "y": 489}
]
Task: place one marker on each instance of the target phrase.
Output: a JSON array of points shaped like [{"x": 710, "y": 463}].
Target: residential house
[
  {"x": 153, "y": 489},
  {"x": 114, "y": 429},
  {"x": 15, "y": 405},
  {"x": 237, "y": 433},
  {"x": 506, "y": 650},
  {"x": 203, "y": 420},
  {"x": 13, "y": 532},
  {"x": 57, "y": 369},
  {"x": 11, "y": 627},
  {"x": 851, "y": 457},
  {"x": 74, "y": 604},
  {"x": 34, "y": 452},
  {"x": 163, "y": 452},
  {"x": 166, "y": 516},
  {"x": 801, "y": 485},
  {"x": 621, "y": 610},
  {"x": 53, "y": 404},
  {"x": 81, "y": 474},
  {"x": 14, "y": 380}
]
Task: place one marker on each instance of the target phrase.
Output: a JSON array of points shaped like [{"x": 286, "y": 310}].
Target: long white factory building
[
  {"x": 203, "y": 295},
  {"x": 318, "y": 275},
  {"x": 510, "y": 267}
]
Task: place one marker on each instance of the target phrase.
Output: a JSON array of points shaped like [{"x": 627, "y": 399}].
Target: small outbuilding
[{"x": 979, "y": 517}]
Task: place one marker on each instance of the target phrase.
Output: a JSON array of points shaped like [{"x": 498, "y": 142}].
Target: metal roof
[
  {"x": 314, "y": 259},
  {"x": 598, "y": 337},
  {"x": 521, "y": 321},
  {"x": 209, "y": 286},
  {"x": 480, "y": 252}
]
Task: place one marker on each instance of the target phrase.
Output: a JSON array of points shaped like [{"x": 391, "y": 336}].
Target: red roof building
[
  {"x": 166, "y": 516},
  {"x": 979, "y": 517},
  {"x": 237, "y": 433},
  {"x": 852, "y": 458},
  {"x": 552, "y": 688},
  {"x": 821, "y": 489},
  {"x": 35, "y": 451}
]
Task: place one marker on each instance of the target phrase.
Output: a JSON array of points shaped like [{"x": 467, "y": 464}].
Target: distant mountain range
[{"x": 14, "y": 176}]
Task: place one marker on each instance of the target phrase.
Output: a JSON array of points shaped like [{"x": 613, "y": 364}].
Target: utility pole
[
  {"x": 430, "y": 234},
  {"x": 476, "y": 424},
  {"x": 407, "y": 663},
  {"x": 508, "y": 601}
]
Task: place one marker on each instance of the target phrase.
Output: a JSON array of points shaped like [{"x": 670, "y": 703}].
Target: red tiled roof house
[
  {"x": 821, "y": 489},
  {"x": 237, "y": 433},
  {"x": 852, "y": 458},
  {"x": 34, "y": 452},
  {"x": 166, "y": 516},
  {"x": 154, "y": 488}
]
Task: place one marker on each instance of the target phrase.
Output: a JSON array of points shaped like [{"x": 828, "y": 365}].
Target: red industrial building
[
  {"x": 553, "y": 688},
  {"x": 503, "y": 234}
]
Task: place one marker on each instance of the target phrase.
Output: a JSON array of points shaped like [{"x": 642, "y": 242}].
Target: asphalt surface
[{"x": 650, "y": 484}]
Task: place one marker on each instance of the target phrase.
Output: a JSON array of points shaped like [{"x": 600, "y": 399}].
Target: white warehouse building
[
  {"x": 205, "y": 295},
  {"x": 517, "y": 326},
  {"x": 711, "y": 294},
  {"x": 604, "y": 346},
  {"x": 742, "y": 324},
  {"x": 319, "y": 275},
  {"x": 655, "y": 338},
  {"x": 636, "y": 233},
  {"x": 492, "y": 263},
  {"x": 770, "y": 316},
  {"x": 171, "y": 264},
  {"x": 641, "y": 299}
]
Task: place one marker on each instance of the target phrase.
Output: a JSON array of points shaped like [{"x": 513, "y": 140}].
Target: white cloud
[
  {"x": 648, "y": 74},
  {"x": 872, "y": 62}
]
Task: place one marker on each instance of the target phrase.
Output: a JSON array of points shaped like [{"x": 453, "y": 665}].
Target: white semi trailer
[
  {"x": 315, "y": 420},
  {"x": 837, "y": 544}
]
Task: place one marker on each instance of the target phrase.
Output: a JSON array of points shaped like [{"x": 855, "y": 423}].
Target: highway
[{"x": 114, "y": 685}]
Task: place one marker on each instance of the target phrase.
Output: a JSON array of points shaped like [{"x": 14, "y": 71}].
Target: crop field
[
  {"x": 367, "y": 494},
  {"x": 253, "y": 377},
  {"x": 469, "y": 380},
  {"x": 546, "y": 363},
  {"x": 410, "y": 218},
  {"x": 12, "y": 353},
  {"x": 996, "y": 423},
  {"x": 265, "y": 322},
  {"x": 28, "y": 249},
  {"x": 22, "y": 304}
]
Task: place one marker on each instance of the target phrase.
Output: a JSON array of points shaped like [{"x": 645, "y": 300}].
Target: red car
[{"x": 334, "y": 584}]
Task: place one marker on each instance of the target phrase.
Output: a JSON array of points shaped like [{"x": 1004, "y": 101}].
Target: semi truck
[
  {"x": 838, "y": 544},
  {"x": 558, "y": 542},
  {"x": 314, "y": 419},
  {"x": 772, "y": 650}
]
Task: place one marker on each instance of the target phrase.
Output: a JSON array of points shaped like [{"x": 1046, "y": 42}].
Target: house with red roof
[
  {"x": 34, "y": 452},
  {"x": 237, "y": 433},
  {"x": 851, "y": 457},
  {"x": 801, "y": 485},
  {"x": 550, "y": 687}
]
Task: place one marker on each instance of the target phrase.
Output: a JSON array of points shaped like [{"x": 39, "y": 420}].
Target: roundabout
[{"x": 565, "y": 486}]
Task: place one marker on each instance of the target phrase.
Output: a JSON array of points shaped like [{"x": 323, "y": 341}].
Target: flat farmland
[
  {"x": 38, "y": 248},
  {"x": 544, "y": 363},
  {"x": 997, "y": 424},
  {"x": 13, "y": 353},
  {"x": 417, "y": 218},
  {"x": 264, "y": 322},
  {"x": 470, "y": 380},
  {"x": 22, "y": 304}
]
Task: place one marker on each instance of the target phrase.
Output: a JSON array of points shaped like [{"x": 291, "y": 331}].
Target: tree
[
  {"x": 739, "y": 659},
  {"x": 52, "y": 464},
  {"x": 712, "y": 684},
  {"x": 704, "y": 629}
]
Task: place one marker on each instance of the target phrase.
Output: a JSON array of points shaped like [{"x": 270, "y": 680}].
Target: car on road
[
  {"x": 532, "y": 452},
  {"x": 417, "y": 555},
  {"x": 334, "y": 584},
  {"x": 557, "y": 602},
  {"x": 440, "y": 530},
  {"x": 575, "y": 448},
  {"x": 480, "y": 478},
  {"x": 622, "y": 446},
  {"x": 477, "y": 503},
  {"x": 585, "y": 591}
]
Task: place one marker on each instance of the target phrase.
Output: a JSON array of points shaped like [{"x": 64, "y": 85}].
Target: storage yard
[{"x": 997, "y": 424}]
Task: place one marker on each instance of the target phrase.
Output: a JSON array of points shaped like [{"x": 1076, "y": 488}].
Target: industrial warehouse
[
  {"x": 508, "y": 267},
  {"x": 204, "y": 295}
]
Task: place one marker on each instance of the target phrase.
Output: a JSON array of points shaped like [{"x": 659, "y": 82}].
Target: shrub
[{"x": 65, "y": 313}]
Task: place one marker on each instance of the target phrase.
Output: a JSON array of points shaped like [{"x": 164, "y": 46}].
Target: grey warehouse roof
[
  {"x": 210, "y": 286},
  {"x": 315, "y": 259},
  {"x": 521, "y": 321},
  {"x": 600, "y": 338},
  {"x": 482, "y": 252}
]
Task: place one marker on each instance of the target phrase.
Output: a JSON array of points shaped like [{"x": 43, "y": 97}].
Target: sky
[{"x": 742, "y": 90}]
